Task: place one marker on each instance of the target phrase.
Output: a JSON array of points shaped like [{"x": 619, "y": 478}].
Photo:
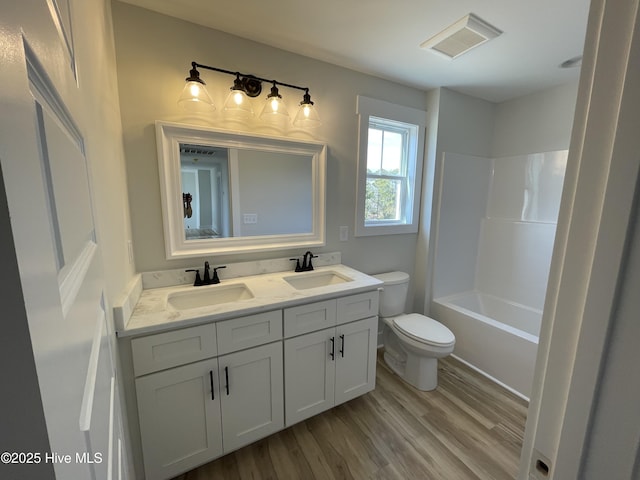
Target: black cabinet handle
[
  {"x": 226, "y": 379},
  {"x": 333, "y": 348},
  {"x": 342, "y": 348},
  {"x": 213, "y": 397}
]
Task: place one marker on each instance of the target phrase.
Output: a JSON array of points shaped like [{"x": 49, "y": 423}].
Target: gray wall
[
  {"x": 540, "y": 122},
  {"x": 151, "y": 70}
]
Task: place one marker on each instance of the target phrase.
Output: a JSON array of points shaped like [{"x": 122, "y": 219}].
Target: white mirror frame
[{"x": 170, "y": 135}]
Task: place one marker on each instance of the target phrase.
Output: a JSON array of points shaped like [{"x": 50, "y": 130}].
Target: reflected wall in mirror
[{"x": 226, "y": 192}]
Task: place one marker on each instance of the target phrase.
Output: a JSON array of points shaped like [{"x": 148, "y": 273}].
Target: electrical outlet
[
  {"x": 344, "y": 233},
  {"x": 540, "y": 468},
  {"x": 249, "y": 218}
]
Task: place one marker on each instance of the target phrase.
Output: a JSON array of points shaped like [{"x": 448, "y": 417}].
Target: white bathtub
[{"x": 495, "y": 336}]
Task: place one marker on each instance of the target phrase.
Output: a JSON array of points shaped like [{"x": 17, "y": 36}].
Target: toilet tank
[{"x": 393, "y": 297}]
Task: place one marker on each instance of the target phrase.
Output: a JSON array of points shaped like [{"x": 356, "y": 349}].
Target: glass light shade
[
  {"x": 195, "y": 98},
  {"x": 274, "y": 110},
  {"x": 238, "y": 104},
  {"x": 307, "y": 116}
]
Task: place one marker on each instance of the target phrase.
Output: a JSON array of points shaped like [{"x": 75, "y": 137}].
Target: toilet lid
[{"x": 424, "y": 329}]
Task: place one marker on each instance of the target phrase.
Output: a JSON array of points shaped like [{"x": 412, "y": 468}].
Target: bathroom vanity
[{"x": 213, "y": 368}]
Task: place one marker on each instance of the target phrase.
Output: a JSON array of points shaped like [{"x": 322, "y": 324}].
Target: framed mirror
[{"x": 225, "y": 192}]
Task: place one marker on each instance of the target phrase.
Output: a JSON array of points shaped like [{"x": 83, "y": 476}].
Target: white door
[
  {"x": 180, "y": 423},
  {"x": 309, "y": 374},
  {"x": 46, "y": 175},
  {"x": 355, "y": 359},
  {"x": 251, "y": 386}
]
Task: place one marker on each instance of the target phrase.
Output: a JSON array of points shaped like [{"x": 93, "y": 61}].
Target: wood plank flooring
[{"x": 468, "y": 428}]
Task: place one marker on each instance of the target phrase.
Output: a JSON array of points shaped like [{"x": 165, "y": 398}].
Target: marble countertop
[{"x": 153, "y": 313}]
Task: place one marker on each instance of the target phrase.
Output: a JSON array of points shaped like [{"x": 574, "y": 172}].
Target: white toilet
[{"x": 413, "y": 343}]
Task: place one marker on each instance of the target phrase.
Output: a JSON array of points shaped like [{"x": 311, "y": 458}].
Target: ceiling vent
[{"x": 467, "y": 33}]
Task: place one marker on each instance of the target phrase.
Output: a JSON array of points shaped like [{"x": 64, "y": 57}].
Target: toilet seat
[{"x": 424, "y": 330}]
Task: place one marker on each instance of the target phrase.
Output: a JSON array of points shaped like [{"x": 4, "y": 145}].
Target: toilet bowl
[{"x": 413, "y": 342}]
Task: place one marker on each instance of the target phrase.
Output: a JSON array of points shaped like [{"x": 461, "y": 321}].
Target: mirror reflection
[
  {"x": 243, "y": 192},
  {"x": 227, "y": 192},
  {"x": 204, "y": 173}
]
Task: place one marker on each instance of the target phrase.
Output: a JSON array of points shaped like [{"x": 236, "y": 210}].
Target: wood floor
[{"x": 468, "y": 428}]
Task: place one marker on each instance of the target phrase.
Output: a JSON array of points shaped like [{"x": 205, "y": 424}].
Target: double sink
[{"x": 219, "y": 294}]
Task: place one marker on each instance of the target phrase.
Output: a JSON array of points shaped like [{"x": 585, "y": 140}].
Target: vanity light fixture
[{"x": 194, "y": 97}]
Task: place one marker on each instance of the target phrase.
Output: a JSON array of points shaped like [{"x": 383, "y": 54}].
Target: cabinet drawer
[
  {"x": 244, "y": 332},
  {"x": 355, "y": 307},
  {"x": 170, "y": 349},
  {"x": 308, "y": 318}
]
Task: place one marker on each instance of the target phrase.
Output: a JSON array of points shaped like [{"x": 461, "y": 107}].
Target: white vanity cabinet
[
  {"x": 207, "y": 390},
  {"x": 330, "y": 366},
  {"x": 193, "y": 413}
]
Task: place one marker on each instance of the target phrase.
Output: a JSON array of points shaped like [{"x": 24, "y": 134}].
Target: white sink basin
[
  {"x": 207, "y": 296},
  {"x": 303, "y": 281}
]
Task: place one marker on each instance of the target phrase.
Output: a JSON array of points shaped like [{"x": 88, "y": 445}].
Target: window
[{"x": 391, "y": 148}]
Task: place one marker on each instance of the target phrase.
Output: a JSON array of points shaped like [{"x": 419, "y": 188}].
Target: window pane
[
  {"x": 374, "y": 151},
  {"x": 392, "y": 153},
  {"x": 382, "y": 201}
]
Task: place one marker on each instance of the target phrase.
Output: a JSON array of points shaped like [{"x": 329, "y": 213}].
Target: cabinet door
[
  {"x": 179, "y": 418},
  {"x": 252, "y": 394},
  {"x": 355, "y": 359},
  {"x": 309, "y": 374}
]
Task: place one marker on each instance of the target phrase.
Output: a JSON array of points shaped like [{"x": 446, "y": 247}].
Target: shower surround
[{"x": 496, "y": 222}]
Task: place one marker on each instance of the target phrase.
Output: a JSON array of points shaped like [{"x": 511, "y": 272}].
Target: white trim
[
  {"x": 112, "y": 424},
  {"x": 86, "y": 408},
  {"x": 369, "y": 107},
  {"x": 170, "y": 135},
  {"x": 73, "y": 276},
  {"x": 589, "y": 255}
]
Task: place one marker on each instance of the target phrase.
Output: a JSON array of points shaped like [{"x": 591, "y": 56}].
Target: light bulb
[
  {"x": 306, "y": 110},
  {"x": 195, "y": 98},
  {"x": 237, "y": 98},
  {"x": 274, "y": 105}
]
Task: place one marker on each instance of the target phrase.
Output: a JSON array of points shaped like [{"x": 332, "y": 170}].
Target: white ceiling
[{"x": 382, "y": 37}]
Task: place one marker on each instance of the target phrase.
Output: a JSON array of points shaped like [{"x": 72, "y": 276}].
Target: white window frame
[{"x": 378, "y": 110}]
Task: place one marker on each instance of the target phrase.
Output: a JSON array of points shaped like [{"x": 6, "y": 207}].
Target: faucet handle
[
  {"x": 198, "y": 280},
  {"x": 310, "y": 265},
  {"x": 298, "y": 267},
  {"x": 216, "y": 279}
]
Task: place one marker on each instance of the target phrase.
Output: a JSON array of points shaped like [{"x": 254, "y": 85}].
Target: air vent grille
[
  {"x": 196, "y": 150},
  {"x": 465, "y": 34}
]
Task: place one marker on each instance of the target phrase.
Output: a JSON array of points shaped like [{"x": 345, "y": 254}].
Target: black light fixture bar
[
  {"x": 196, "y": 65},
  {"x": 195, "y": 97}
]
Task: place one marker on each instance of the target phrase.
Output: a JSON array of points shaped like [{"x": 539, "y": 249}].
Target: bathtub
[{"x": 497, "y": 337}]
